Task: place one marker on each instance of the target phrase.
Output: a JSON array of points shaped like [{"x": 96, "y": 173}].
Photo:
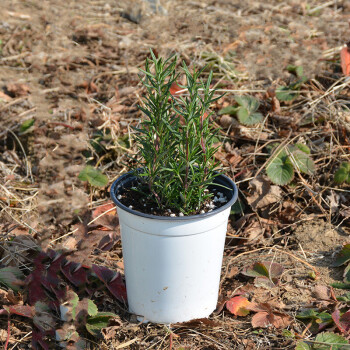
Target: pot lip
[{"x": 225, "y": 178}]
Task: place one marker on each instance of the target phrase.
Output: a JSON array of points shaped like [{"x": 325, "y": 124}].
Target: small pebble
[
  {"x": 181, "y": 214},
  {"x": 145, "y": 205},
  {"x": 215, "y": 199},
  {"x": 169, "y": 210},
  {"x": 173, "y": 215},
  {"x": 130, "y": 206},
  {"x": 119, "y": 197},
  {"x": 210, "y": 210},
  {"x": 202, "y": 212}
]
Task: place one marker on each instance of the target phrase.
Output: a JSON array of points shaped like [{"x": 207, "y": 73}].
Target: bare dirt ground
[{"x": 69, "y": 69}]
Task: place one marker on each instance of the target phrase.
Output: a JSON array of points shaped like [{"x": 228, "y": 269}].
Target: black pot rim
[{"x": 223, "y": 178}]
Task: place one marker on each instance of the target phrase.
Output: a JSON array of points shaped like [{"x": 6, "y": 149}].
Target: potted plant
[{"x": 173, "y": 208}]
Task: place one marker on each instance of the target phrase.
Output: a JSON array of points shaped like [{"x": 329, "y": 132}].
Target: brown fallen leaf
[
  {"x": 333, "y": 200},
  {"x": 253, "y": 133},
  {"x": 267, "y": 316},
  {"x": 70, "y": 244},
  {"x": 5, "y": 97},
  {"x": 89, "y": 238},
  {"x": 324, "y": 293},
  {"x": 106, "y": 214},
  {"x": 17, "y": 89},
  {"x": 263, "y": 193},
  {"x": 114, "y": 326},
  {"x": 226, "y": 121},
  {"x": 7, "y": 297},
  {"x": 253, "y": 232}
]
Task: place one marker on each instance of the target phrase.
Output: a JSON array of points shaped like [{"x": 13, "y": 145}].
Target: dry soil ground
[{"x": 70, "y": 69}]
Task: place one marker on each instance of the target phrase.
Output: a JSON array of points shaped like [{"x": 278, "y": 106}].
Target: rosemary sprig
[{"x": 176, "y": 140}]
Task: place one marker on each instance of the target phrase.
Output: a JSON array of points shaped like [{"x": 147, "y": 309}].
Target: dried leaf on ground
[
  {"x": 17, "y": 89},
  {"x": 263, "y": 193},
  {"x": 226, "y": 121},
  {"x": 70, "y": 244},
  {"x": 106, "y": 215},
  {"x": 323, "y": 292},
  {"x": 114, "y": 326},
  {"x": 5, "y": 97},
  {"x": 254, "y": 232},
  {"x": 89, "y": 238},
  {"x": 266, "y": 316},
  {"x": 7, "y": 297},
  {"x": 253, "y": 133},
  {"x": 238, "y": 306},
  {"x": 333, "y": 201}
]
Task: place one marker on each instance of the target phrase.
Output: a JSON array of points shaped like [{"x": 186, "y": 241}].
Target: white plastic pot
[{"x": 172, "y": 264}]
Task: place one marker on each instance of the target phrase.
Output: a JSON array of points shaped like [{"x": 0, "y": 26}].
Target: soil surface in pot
[{"x": 140, "y": 199}]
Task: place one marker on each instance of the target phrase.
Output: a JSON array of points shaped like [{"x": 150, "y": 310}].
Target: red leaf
[
  {"x": 38, "y": 339},
  {"x": 342, "y": 322},
  {"x": 104, "y": 210},
  {"x": 35, "y": 289},
  {"x": 21, "y": 310},
  {"x": 176, "y": 90},
  {"x": 113, "y": 280},
  {"x": 75, "y": 273},
  {"x": 345, "y": 59},
  {"x": 345, "y": 320},
  {"x": 50, "y": 279},
  {"x": 108, "y": 241},
  {"x": 238, "y": 306}
]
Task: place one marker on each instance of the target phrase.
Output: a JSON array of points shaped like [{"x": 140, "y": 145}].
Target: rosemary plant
[{"x": 175, "y": 140}]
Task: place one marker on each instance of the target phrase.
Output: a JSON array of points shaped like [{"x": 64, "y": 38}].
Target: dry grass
[{"x": 80, "y": 62}]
